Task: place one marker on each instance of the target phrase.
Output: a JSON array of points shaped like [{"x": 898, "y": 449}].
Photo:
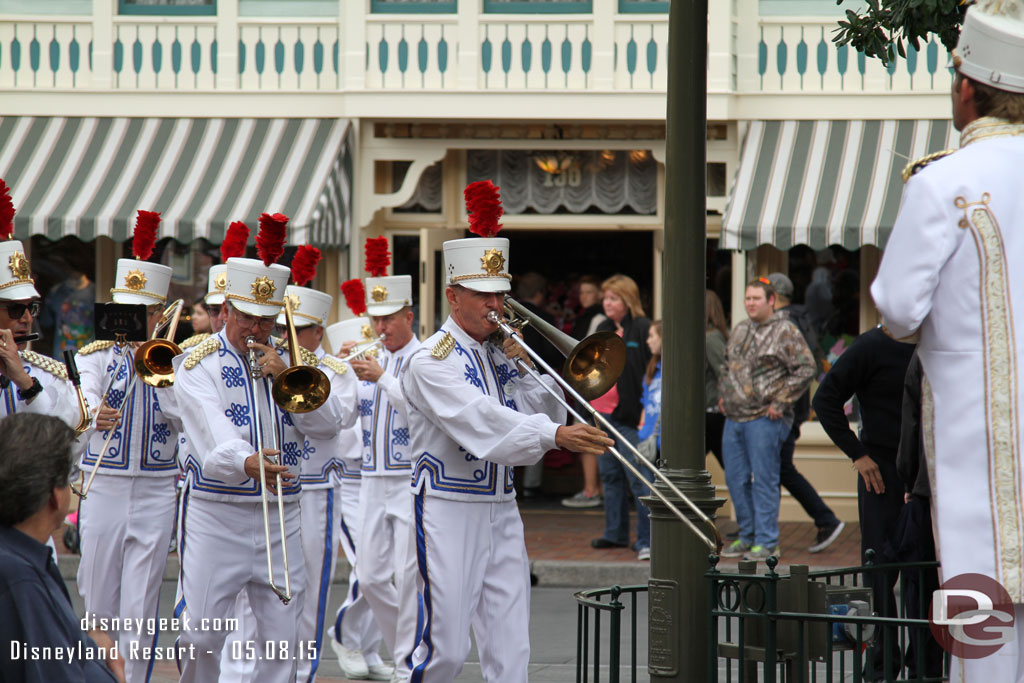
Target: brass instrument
[
  {"x": 149, "y": 361},
  {"x": 85, "y": 416},
  {"x": 300, "y": 388},
  {"x": 153, "y": 359},
  {"x": 364, "y": 350},
  {"x": 255, "y": 375},
  {"x": 593, "y": 363}
]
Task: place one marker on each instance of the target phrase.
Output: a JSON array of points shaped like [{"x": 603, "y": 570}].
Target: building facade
[{"x": 360, "y": 118}]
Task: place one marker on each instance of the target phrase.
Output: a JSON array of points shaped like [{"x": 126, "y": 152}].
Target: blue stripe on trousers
[
  {"x": 325, "y": 584},
  {"x": 421, "y": 561}
]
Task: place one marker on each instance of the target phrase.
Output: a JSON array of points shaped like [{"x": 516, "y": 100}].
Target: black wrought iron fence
[
  {"x": 592, "y": 613},
  {"x": 830, "y": 625},
  {"x": 798, "y": 627}
]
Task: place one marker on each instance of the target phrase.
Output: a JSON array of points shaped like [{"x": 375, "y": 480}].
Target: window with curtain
[{"x": 583, "y": 181}]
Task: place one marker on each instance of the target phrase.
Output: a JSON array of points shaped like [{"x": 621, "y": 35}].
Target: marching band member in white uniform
[
  {"x": 473, "y": 417},
  {"x": 223, "y": 534},
  {"x": 385, "y": 547},
  {"x": 128, "y": 517},
  {"x": 951, "y": 272},
  {"x": 355, "y": 635},
  {"x": 29, "y": 382},
  {"x": 320, "y": 501}
]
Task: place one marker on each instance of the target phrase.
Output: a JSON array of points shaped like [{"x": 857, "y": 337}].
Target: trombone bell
[
  {"x": 153, "y": 362},
  {"x": 594, "y": 365},
  {"x": 300, "y": 388}
]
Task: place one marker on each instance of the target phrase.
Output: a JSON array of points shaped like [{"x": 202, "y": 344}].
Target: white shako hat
[
  {"x": 352, "y": 330},
  {"x": 15, "y": 272},
  {"x": 138, "y": 281},
  {"x": 991, "y": 45},
  {"x": 255, "y": 288},
  {"x": 216, "y": 286},
  {"x": 235, "y": 239},
  {"x": 480, "y": 263},
  {"x": 309, "y": 307},
  {"x": 385, "y": 295}
]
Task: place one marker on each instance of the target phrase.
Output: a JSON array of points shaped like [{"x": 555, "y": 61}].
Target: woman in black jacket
[{"x": 623, "y": 407}]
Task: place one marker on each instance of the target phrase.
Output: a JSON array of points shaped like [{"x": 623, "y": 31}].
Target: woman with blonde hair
[{"x": 622, "y": 406}]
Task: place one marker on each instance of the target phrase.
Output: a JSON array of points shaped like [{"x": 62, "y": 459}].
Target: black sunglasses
[{"x": 15, "y": 311}]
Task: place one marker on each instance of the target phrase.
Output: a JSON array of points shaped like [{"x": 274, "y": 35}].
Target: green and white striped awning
[
  {"x": 87, "y": 176},
  {"x": 821, "y": 183}
]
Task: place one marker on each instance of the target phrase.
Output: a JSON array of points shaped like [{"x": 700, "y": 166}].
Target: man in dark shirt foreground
[
  {"x": 44, "y": 637},
  {"x": 873, "y": 369}
]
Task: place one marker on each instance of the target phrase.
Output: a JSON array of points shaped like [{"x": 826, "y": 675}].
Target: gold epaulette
[
  {"x": 202, "y": 351},
  {"x": 193, "y": 340},
  {"x": 93, "y": 347},
  {"x": 443, "y": 347},
  {"x": 308, "y": 357},
  {"x": 338, "y": 366},
  {"x": 46, "y": 363},
  {"x": 918, "y": 164}
]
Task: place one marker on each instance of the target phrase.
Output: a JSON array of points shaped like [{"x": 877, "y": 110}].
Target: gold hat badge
[
  {"x": 135, "y": 280},
  {"x": 492, "y": 261},
  {"x": 379, "y": 293},
  {"x": 263, "y": 289},
  {"x": 19, "y": 266}
]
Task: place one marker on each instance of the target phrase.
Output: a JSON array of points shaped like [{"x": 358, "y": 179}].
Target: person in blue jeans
[
  {"x": 622, "y": 406},
  {"x": 768, "y": 367}
]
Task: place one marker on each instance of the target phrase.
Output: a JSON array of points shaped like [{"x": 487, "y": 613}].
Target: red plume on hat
[
  {"x": 234, "y": 242},
  {"x": 271, "y": 237},
  {"x": 355, "y": 295},
  {"x": 377, "y": 256},
  {"x": 484, "y": 206},
  {"x": 304, "y": 264},
  {"x": 144, "y": 240},
  {"x": 6, "y": 212}
]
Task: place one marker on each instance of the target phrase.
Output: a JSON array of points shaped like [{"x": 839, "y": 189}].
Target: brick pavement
[{"x": 557, "y": 533}]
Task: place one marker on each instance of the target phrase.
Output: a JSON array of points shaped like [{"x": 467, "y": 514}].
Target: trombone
[
  {"x": 591, "y": 367},
  {"x": 299, "y": 389},
  {"x": 255, "y": 375},
  {"x": 152, "y": 364}
]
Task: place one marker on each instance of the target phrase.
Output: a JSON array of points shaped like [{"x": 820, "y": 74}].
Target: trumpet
[
  {"x": 255, "y": 375},
  {"x": 152, "y": 364},
  {"x": 364, "y": 350},
  {"x": 594, "y": 365}
]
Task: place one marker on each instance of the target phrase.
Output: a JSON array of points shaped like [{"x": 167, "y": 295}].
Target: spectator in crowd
[
  {"x": 768, "y": 367},
  {"x": 622, "y": 407},
  {"x": 35, "y": 494},
  {"x": 586, "y": 324},
  {"x": 650, "y": 427},
  {"x": 873, "y": 369},
  {"x": 201, "y": 319},
  {"x": 592, "y": 315},
  {"x": 716, "y": 335},
  {"x": 531, "y": 292},
  {"x": 828, "y": 525},
  {"x": 912, "y": 539}
]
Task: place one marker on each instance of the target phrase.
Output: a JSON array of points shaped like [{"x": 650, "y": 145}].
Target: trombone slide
[{"x": 714, "y": 542}]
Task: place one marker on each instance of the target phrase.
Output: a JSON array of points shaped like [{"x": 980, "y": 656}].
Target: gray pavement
[{"x": 552, "y": 634}]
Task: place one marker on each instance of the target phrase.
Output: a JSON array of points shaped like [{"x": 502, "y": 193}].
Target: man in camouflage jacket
[{"x": 768, "y": 367}]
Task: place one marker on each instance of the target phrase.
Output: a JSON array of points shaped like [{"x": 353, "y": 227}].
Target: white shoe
[
  {"x": 395, "y": 678},
  {"x": 351, "y": 662},
  {"x": 381, "y": 672}
]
